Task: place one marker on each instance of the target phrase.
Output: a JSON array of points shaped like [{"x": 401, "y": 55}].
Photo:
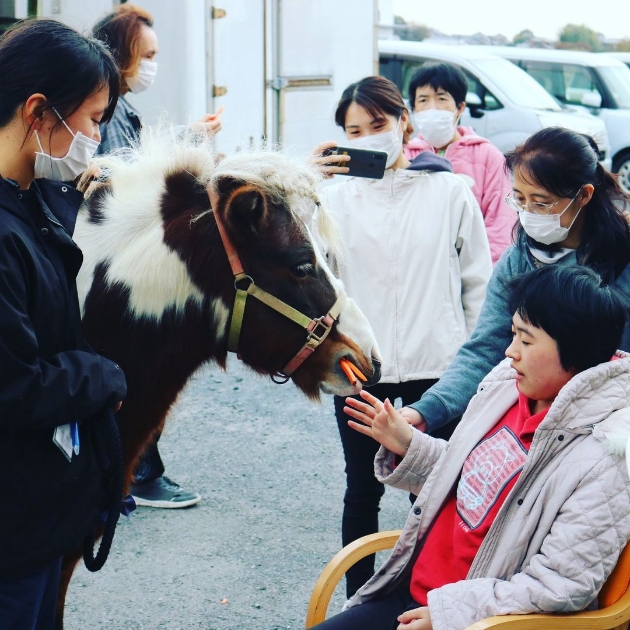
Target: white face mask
[
  {"x": 145, "y": 77},
  {"x": 389, "y": 141},
  {"x": 546, "y": 228},
  {"x": 437, "y": 126},
  {"x": 71, "y": 165}
]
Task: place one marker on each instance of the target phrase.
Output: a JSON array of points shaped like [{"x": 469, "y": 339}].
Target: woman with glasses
[{"x": 571, "y": 211}]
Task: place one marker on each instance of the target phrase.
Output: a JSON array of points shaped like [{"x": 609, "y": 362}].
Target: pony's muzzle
[{"x": 376, "y": 375}]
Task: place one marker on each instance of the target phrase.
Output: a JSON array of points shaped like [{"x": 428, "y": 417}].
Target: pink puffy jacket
[{"x": 478, "y": 158}]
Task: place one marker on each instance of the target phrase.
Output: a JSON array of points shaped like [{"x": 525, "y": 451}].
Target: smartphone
[{"x": 362, "y": 163}]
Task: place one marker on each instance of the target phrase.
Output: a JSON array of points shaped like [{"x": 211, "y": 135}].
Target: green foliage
[
  {"x": 411, "y": 31},
  {"x": 579, "y": 37},
  {"x": 623, "y": 45},
  {"x": 523, "y": 37}
]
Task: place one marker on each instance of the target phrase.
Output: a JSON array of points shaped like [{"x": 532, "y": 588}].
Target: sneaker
[{"x": 163, "y": 493}]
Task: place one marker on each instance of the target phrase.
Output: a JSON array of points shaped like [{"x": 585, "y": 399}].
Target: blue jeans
[{"x": 29, "y": 603}]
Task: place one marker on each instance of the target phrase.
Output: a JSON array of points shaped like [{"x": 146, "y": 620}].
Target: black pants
[
  {"x": 30, "y": 603},
  {"x": 378, "y": 614},
  {"x": 363, "y": 490},
  {"x": 150, "y": 465}
]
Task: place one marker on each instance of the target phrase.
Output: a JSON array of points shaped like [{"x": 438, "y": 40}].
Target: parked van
[
  {"x": 504, "y": 104},
  {"x": 622, "y": 56},
  {"x": 598, "y": 82}
]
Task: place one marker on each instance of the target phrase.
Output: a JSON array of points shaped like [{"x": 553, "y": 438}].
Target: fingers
[
  {"x": 361, "y": 428},
  {"x": 322, "y": 146},
  {"x": 372, "y": 400}
]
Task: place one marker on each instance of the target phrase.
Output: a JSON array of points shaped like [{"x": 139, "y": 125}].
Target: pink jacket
[{"x": 478, "y": 158}]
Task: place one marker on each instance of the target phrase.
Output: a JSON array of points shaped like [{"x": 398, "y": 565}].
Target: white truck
[{"x": 277, "y": 67}]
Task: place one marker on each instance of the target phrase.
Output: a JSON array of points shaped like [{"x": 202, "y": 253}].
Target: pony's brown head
[{"x": 158, "y": 241}]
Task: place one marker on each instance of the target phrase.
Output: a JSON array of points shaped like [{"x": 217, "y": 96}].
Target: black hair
[
  {"x": 571, "y": 303},
  {"x": 439, "y": 75},
  {"x": 45, "y": 56},
  {"x": 378, "y": 96},
  {"x": 561, "y": 161}
]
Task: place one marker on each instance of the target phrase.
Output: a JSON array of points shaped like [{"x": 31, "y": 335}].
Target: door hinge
[
  {"x": 218, "y": 90},
  {"x": 217, "y": 14}
]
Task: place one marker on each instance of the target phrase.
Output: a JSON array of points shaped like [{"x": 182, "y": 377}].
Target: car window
[
  {"x": 520, "y": 88},
  {"x": 488, "y": 100},
  {"x": 617, "y": 80},
  {"x": 568, "y": 82}
]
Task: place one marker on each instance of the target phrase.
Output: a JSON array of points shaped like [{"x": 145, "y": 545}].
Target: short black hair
[
  {"x": 584, "y": 316},
  {"x": 439, "y": 74}
]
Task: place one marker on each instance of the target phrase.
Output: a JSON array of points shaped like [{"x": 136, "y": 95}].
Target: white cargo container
[{"x": 277, "y": 67}]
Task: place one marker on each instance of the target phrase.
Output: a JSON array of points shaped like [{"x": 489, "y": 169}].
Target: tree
[
  {"x": 524, "y": 37},
  {"x": 579, "y": 37},
  {"x": 410, "y": 30},
  {"x": 623, "y": 45}
]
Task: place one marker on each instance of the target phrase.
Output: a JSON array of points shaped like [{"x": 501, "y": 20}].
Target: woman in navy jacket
[{"x": 55, "y": 391}]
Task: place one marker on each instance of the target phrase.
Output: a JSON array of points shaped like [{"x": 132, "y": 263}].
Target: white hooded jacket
[
  {"x": 417, "y": 262},
  {"x": 560, "y": 531}
]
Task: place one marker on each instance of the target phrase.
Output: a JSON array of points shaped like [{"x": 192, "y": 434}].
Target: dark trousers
[
  {"x": 150, "y": 465},
  {"x": 363, "y": 490},
  {"x": 377, "y": 614},
  {"x": 29, "y": 603}
]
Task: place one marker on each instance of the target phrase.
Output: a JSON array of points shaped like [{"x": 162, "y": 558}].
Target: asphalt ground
[{"x": 269, "y": 466}]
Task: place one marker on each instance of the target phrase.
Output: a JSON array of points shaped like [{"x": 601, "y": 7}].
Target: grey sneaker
[{"x": 163, "y": 493}]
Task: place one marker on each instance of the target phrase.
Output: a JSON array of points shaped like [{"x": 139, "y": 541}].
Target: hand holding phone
[{"x": 362, "y": 162}]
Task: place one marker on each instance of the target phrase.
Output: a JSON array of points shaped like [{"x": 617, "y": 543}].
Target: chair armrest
[
  {"x": 613, "y": 617},
  {"x": 337, "y": 567}
]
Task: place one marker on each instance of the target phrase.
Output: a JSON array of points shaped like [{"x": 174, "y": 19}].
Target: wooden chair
[{"x": 614, "y": 597}]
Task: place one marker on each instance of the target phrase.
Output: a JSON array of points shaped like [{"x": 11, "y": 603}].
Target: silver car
[{"x": 504, "y": 104}]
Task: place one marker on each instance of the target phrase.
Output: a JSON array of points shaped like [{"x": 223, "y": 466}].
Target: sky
[{"x": 492, "y": 17}]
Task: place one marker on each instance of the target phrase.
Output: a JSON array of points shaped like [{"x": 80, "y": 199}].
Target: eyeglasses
[{"x": 534, "y": 207}]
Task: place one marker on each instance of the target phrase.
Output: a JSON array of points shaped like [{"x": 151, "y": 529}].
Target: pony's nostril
[{"x": 376, "y": 375}]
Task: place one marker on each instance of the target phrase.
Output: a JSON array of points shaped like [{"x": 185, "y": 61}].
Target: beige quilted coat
[{"x": 561, "y": 529}]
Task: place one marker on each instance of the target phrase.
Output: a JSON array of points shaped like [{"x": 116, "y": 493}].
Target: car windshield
[
  {"x": 617, "y": 80},
  {"x": 517, "y": 84}
]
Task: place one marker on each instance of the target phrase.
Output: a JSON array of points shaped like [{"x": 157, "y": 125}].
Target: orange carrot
[
  {"x": 351, "y": 371},
  {"x": 345, "y": 366},
  {"x": 357, "y": 371}
]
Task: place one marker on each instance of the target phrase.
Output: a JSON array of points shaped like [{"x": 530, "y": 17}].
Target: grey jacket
[
  {"x": 559, "y": 533},
  {"x": 448, "y": 398}
]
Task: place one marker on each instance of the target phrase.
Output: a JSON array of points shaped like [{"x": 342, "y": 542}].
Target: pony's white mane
[
  {"x": 165, "y": 149},
  {"x": 130, "y": 236}
]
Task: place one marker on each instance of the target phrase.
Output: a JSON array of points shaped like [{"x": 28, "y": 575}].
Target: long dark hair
[
  {"x": 45, "y": 56},
  {"x": 378, "y": 96},
  {"x": 561, "y": 161},
  {"x": 119, "y": 31}
]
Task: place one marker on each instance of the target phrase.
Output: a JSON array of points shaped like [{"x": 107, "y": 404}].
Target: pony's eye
[{"x": 303, "y": 270}]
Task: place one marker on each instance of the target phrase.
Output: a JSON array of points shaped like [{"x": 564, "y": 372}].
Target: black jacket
[{"x": 49, "y": 376}]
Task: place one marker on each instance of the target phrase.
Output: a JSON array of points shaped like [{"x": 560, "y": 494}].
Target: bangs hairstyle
[
  {"x": 561, "y": 161},
  {"x": 585, "y": 317},
  {"x": 119, "y": 31},
  {"x": 43, "y": 56},
  {"x": 439, "y": 75},
  {"x": 378, "y": 96}
]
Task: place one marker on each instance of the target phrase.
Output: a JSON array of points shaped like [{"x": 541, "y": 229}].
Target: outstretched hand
[
  {"x": 416, "y": 619},
  {"x": 380, "y": 421}
]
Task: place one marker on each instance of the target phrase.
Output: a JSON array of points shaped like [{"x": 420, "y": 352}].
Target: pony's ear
[{"x": 245, "y": 207}]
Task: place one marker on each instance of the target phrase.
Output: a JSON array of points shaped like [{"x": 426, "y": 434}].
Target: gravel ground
[{"x": 269, "y": 466}]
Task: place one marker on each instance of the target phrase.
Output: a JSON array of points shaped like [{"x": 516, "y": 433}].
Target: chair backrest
[{"x": 618, "y": 582}]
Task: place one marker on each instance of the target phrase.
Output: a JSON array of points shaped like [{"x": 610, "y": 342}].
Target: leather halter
[{"x": 317, "y": 329}]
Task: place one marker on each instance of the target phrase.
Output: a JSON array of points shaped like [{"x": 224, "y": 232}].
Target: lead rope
[{"x": 108, "y": 450}]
